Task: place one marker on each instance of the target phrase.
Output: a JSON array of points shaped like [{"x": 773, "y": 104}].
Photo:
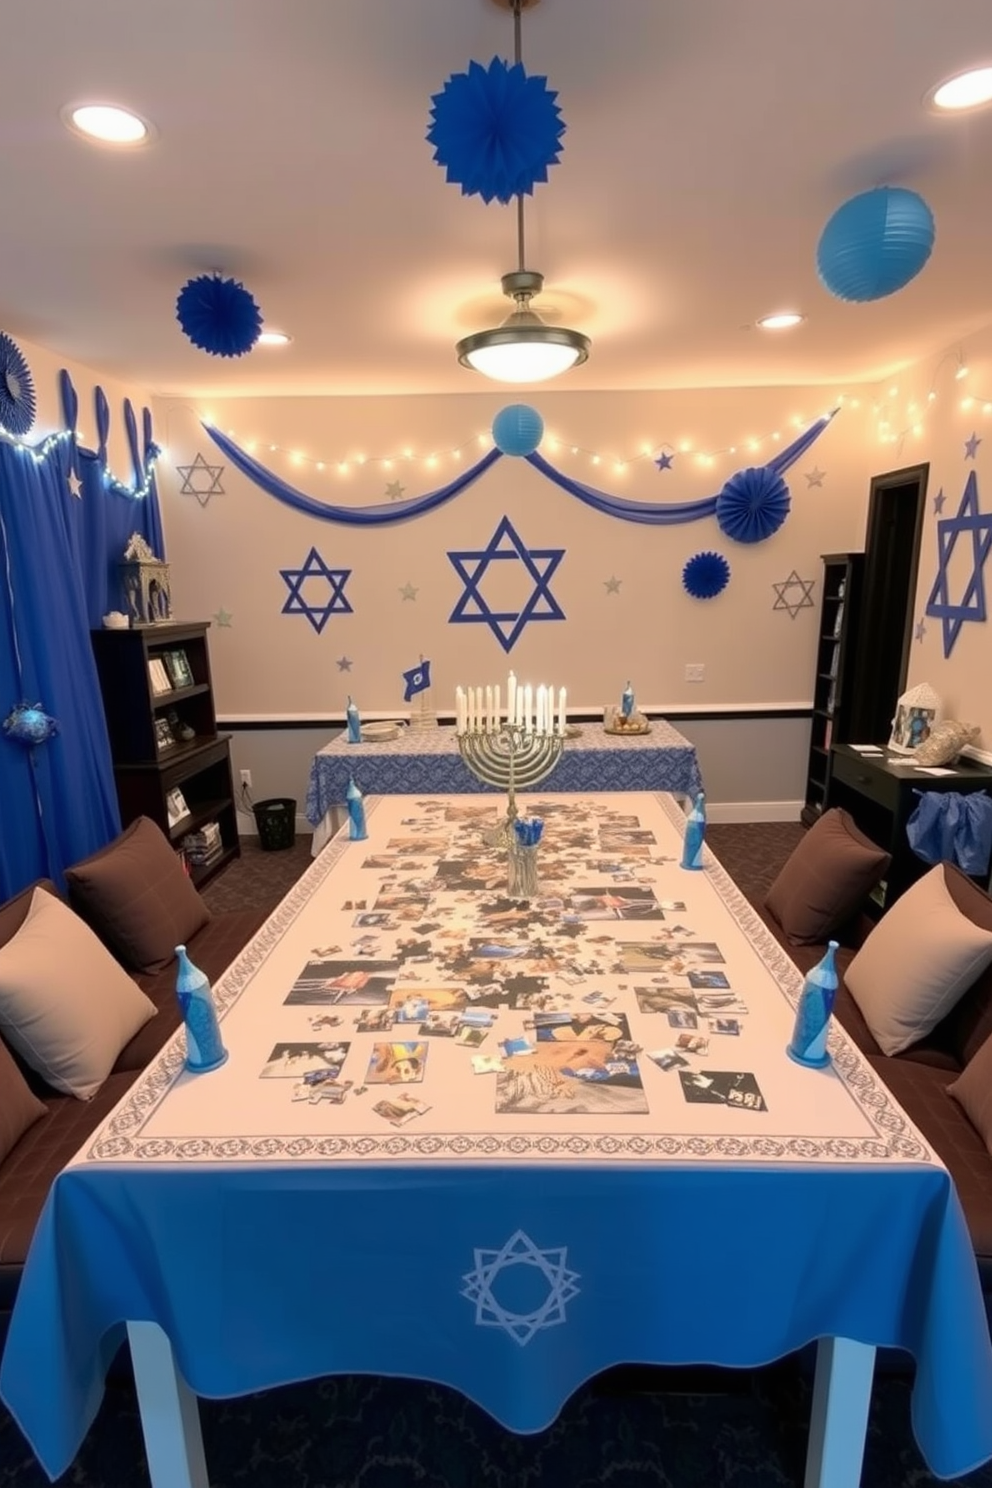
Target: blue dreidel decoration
[
  {"x": 816, "y": 1003},
  {"x": 356, "y": 813},
  {"x": 695, "y": 833},
  {"x": 354, "y": 723},
  {"x": 627, "y": 702},
  {"x": 204, "y": 1045}
]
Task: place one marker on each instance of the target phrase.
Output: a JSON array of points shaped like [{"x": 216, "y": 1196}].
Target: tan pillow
[
  {"x": 826, "y": 880},
  {"x": 973, "y": 1091},
  {"x": 919, "y": 960},
  {"x": 66, "y": 1007},
  {"x": 945, "y": 742},
  {"x": 19, "y": 1107},
  {"x": 137, "y": 898}
]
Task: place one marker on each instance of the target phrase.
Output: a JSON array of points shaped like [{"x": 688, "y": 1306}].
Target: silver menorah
[{"x": 510, "y": 758}]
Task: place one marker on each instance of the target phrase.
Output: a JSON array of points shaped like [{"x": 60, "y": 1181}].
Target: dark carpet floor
[{"x": 629, "y": 1429}]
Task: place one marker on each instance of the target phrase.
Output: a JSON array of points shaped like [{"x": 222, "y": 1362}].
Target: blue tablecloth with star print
[{"x": 429, "y": 763}]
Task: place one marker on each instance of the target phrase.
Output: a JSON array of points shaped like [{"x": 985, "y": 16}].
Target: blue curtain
[
  {"x": 57, "y": 799},
  {"x": 102, "y": 522}
]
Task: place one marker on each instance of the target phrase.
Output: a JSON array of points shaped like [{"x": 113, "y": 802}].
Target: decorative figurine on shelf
[
  {"x": 204, "y": 1045},
  {"x": 816, "y": 1003},
  {"x": 627, "y": 702},
  {"x": 356, "y": 812},
  {"x": 354, "y": 723},
  {"x": 145, "y": 581},
  {"x": 695, "y": 832}
]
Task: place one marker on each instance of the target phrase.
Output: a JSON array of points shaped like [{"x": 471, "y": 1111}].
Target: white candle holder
[{"x": 510, "y": 757}]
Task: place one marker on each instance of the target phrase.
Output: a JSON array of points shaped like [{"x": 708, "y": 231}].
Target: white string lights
[
  {"x": 896, "y": 422},
  {"x": 39, "y": 453}
]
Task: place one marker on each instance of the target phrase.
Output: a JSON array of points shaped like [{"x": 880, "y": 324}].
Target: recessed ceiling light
[
  {"x": 782, "y": 320},
  {"x": 107, "y": 123},
  {"x": 274, "y": 338},
  {"x": 964, "y": 91}
]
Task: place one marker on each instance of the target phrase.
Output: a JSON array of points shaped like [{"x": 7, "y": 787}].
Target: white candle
[
  {"x": 497, "y": 716},
  {"x": 528, "y": 708},
  {"x": 562, "y": 715},
  {"x": 459, "y": 710},
  {"x": 542, "y": 701},
  {"x": 468, "y": 709},
  {"x": 511, "y": 699},
  {"x": 488, "y": 720},
  {"x": 473, "y": 708}
]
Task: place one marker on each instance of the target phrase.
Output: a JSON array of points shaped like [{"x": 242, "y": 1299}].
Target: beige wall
[{"x": 958, "y": 409}]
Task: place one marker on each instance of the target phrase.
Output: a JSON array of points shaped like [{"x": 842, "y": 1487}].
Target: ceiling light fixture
[
  {"x": 966, "y": 90},
  {"x": 107, "y": 123},
  {"x": 523, "y": 348},
  {"x": 273, "y": 338},
  {"x": 781, "y": 320}
]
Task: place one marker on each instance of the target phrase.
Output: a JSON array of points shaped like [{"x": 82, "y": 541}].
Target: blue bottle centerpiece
[
  {"x": 204, "y": 1045},
  {"x": 816, "y": 1003},
  {"x": 627, "y": 706},
  {"x": 354, "y": 723},
  {"x": 356, "y": 813},
  {"x": 695, "y": 833}
]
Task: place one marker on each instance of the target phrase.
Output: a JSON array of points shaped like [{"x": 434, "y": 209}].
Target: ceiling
[{"x": 707, "y": 143}]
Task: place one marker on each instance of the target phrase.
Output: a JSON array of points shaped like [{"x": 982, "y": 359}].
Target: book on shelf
[
  {"x": 158, "y": 676},
  {"x": 205, "y": 845},
  {"x": 175, "y": 807}
]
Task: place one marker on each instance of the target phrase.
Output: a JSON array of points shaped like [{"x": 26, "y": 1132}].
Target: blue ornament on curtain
[
  {"x": 875, "y": 244},
  {"x": 495, "y": 130},
  {"x": 706, "y": 575},
  {"x": 219, "y": 315},
  {"x": 29, "y": 724},
  {"x": 16, "y": 388},
  {"x": 518, "y": 429},
  {"x": 753, "y": 504}
]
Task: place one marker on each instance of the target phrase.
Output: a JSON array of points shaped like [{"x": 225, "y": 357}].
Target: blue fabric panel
[{"x": 953, "y": 826}]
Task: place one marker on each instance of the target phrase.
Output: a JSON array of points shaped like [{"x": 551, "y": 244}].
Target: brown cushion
[
  {"x": 137, "y": 898},
  {"x": 19, "y": 1109},
  {"x": 973, "y": 1091},
  {"x": 826, "y": 879}
]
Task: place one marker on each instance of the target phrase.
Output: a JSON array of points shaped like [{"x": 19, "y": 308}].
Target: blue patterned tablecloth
[{"x": 429, "y": 763}]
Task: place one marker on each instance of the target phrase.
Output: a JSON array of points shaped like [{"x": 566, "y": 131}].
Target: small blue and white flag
[{"x": 417, "y": 679}]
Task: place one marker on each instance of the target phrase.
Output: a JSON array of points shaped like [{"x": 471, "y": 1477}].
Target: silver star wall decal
[
  {"x": 612, "y": 585},
  {"x": 815, "y": 477},
  {"x": 75, "y": 485},
  {"x": 344, "y": 664},
  {"x": 223, "y": 618},
  {"x": 408, "y": 591},
  {"x": 200, "y": 480},
  {"x": 793, "y": 594},
  {"x": 394, "y": 490},
  {"x": 920, "y": 631}
]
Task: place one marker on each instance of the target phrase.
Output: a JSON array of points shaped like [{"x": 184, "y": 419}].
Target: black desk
[{"x": 880, "y": 795}]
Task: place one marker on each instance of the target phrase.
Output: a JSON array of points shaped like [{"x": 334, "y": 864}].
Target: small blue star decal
[
  {"x": 938, "y": 502},
  {"x": 316, "y": 568},
  {"x": 971, "y": 446},
  {"x": 920, "y": 631},
  {"x": 972, "y": 606},
  {"x": 505, "y": 546},
  {"x": 664, "y": 460},
  {"x": 520, "y": 1250}
]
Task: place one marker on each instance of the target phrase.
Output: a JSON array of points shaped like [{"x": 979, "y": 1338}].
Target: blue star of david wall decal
[
  {"x": 506, "y": 546},
  {"x": 969, "y": 520},
  {"x": 520, "y": 1250},
  {"x": 315, "y": 568}
]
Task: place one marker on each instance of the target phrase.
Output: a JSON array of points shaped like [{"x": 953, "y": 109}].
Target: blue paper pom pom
[
  {"x": 753, "y": 504},
  {"x": 29, "y": 724},
  {"x": 16, "y": 388},
  {"x": 706, "y": 575},
  {"x": 518, "y": 429},
  {"x": 495, "y": 130},
  {"x": 875, "y": 244},
  {"x": 218, "y": 315}
]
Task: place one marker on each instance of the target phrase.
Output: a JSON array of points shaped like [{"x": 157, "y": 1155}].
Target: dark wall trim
[{"x": 673, "y": 715}]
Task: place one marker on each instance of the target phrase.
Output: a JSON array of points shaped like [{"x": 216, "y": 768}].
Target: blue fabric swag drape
[{"x": 57, "y": 799}]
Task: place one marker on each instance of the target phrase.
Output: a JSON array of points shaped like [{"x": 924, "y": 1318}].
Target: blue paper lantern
[
  {"x": 875, "y": 244},
  {"x": 518, "y": 429}
]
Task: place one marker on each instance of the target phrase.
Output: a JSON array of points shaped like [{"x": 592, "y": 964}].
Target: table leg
[
  {"x": 839, "y": 1419},
  {"x": 170, "y": 1417}
]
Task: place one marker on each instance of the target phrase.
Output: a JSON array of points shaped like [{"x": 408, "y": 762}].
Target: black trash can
[{"x": 276, "y": 823}]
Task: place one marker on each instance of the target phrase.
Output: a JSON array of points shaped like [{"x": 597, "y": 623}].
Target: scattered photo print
[
  {"x": 665, "y": 999},
  {"x": 701, "y": 950},
  {"x": 667, "y": 1059},
  {"x": 607, "y": 1027},
  {"x": 617, "y": 870},
  {"x": 376, "y": 1020},
  {"x": 474, "y": 1017},
  {"x": 581, "y": 1079},
  {"x": 534, "y": 954},
  {"x": 609, "y": 843},
  {"x": 412, "y": 1004},
  {"x": 293, "y": 1061},
  {"x": 397, "y": 1064},
  {"x": 725, "y": 1025},
  {"x": 648, "y": 955},
  {"x": 317, "y": 1090},
  {"x": 712, "y": 1003},
  {"x": 440, "y": 1025},
  {"x": 471, "y": 1038},
  {"x": 470, "y": 876},
  {"x": 373, "y": 919},
  {"x": 722, "y": 1087},
  {"x": 385, "y": 861},
  {"x": 487, "y": 1064},
  {"x": 422, "y": 847},
  {"x": 708, "y": 980},
  {"x": 674, "y": 906},
  {"x": 692, "y": 1043},
  {"x": 616, "y": 902},
  {"x": 354, "y": 983},
  {"x": 400, "y": 1109},
  {"x": 519, "y": 1046},
  {"x": 325, "y": 1020},
  {"x": 404, "y": 907},
  {"x": 682, "y": 1018}
]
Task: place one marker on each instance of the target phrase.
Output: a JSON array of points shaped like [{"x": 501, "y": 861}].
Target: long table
[
  {"x": 478, "y": 1142},
  {"x": 428, "y": 763}
]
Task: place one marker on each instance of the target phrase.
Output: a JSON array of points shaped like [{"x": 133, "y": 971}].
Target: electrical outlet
[
  {"x": 695, "y": 671},
  {"x": 246, "y": 780}
]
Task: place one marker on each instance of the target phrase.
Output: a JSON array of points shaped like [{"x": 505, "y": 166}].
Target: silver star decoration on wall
[
  {"x": 200, "y": 480},
  {"x": 408, "y": 591},
  {"x": 815, "y": 477},
  {"x": 75, "y": 485},
  {"x": 612, "y": 585},
  {"x": 938, "y": 502},
  {"x": 920, "y": 630},
  {"x": 344, "y": 664},
  {"x": 394, "y": 490},
  {"x": 223, "y": 618},
  {"x": 520, "y": 1250},
  {"x": 794, "y": 594}
]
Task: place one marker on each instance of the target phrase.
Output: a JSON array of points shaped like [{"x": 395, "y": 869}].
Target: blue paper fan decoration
[
  {"x": 753, "y": 504},
  {"x": 29, "y": 724},
  {"x": 706, "y": 575},
  {"x": 16, "y": 388},
  {"x": 495, "y": 130},
  {"x": 218, "y": 315}
]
